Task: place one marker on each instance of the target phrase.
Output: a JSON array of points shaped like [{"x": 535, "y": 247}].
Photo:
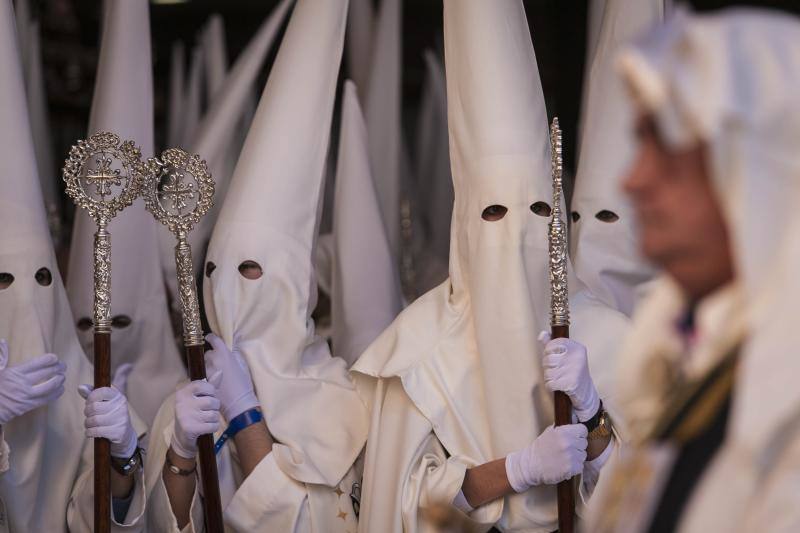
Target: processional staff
[
  {"x": 559, "y": 314},
  {"x": 103, "y": 175},
  {"x": 178, "y": 191}
]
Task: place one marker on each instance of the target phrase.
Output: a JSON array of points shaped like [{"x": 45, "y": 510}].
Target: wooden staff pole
[{"x": 559, "y": 317}]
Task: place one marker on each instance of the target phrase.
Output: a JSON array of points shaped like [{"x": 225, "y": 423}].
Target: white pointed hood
[
  {"x": 467, "y": 350},
  {"x": 215, "y": 54},
  {"x": 212, "y": 137},
  {"x": 192, "y": 107},
  {"x": 270, "y": 217},
  {"x": 45, "y": 444},
  {"x": 123, "y": 104},
  {"x": 366, "y": 293},
  {"x": 604, "y": 247},
  {"x": 176, "y": 94},
  {"x": 730, "y": 79},
  {"x": 382, "y": 111},
  {"x": 37, "y": 106},
  {"x": 360, "y": 24}
]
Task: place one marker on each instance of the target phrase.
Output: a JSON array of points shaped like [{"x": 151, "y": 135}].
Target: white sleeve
[
  {"x": 160, "y": 517},
  {"x": 436, "y": 479},
  {"x": 269, "y": 500},
  {"x": 80, "y": 510}
]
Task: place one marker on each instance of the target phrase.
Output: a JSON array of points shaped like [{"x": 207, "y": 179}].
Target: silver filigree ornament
[
  {"x": 178, "y": 192},
  {"x": 557, "y": 237},
  {"x": 103, "y": 175}
]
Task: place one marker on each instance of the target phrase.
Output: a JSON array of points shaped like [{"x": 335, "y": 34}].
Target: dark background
[{"x": 70, "y": 33}]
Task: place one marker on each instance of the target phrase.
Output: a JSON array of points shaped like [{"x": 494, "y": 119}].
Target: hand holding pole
[
  {"x": 179, "y": 190},
  {"x": 103, "y": 175},
  {"x": 559, "y": 315}
]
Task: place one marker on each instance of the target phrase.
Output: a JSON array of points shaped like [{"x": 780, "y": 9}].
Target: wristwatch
[
  {"x": 179, "y": 471},
  {"x": 127, "y": 467},
  {"x": 603, "y": 428}
]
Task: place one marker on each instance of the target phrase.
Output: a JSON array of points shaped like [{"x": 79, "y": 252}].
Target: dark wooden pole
[
  {"x": 205, "y": 445},
  {"x": 102, "y": 447},
  {"x": 563, "y": 416}
]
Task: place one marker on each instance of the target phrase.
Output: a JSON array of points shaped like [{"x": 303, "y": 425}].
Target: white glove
[
  {"x": 566, "y": 369},
  {"x": 556, "y": 455},
  {"x": 235, "y": 393},
  {"x": 28, "y": 385},
  {"x": 106, "y": 416},
  {"x": 196, "y": 413}
]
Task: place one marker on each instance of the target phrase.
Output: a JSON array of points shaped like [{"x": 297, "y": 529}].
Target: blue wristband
[{"x": 248, "y": 418}]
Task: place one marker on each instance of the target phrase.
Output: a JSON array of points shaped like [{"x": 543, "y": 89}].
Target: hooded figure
[
  {"x": 604, "y": 248},
  {"x": 259, "y": 292},
  {"x": 727, "y": 82},
  {"x": 141, "y": 329},
  {"x": 46, "y": 479},
  {"x": 459, "y": 380},
  {"x": 176, "y": 94},
  {"x": 192, "y": 107},
  {"x": 365, "y": 294},
  {"x": 211, "y": 139}
]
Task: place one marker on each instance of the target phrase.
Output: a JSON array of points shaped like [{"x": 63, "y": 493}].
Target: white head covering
[
  {"x": 360, "y": 23},
  {"x": 211, "y": 139},
  {"x": 433, "y": 174},
  {"x": 194, "y": 94},
  {"x": 270, "y": 217},
  {"x": 731, "y": 80},
  {"x": 37, "y": 106},
  {"x": 123, "y": 104},
  {"x": 466, "y": 351},
  {"x": 366, "y": 293},
  {"x": 605, "y": 250},
  {"x": 176, "y": 95},
  {"x": 382, "y": 111},
  {"x": 45, "y": 444},
  {"x": 215, "y": 54}
]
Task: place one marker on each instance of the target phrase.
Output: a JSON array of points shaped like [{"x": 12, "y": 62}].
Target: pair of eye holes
[
  {"x": 604, "y": 215},
  {"x": 42, "y": 276},
  {"x": 496, "y": 212},
  {"x": 118, "y": 322},
  {"x": 248, "y": 269}
]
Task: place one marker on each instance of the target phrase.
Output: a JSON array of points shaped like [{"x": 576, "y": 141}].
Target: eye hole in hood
[
  {"x": 43, "y": 277},
  {"x": 250, "y": 269},
  {"x": 575, "y": 216},
  {"x": 541, "y": 208},
  {"x": 210, "y": 267},
  {"x": 121, "y": 321},
  {"x": 6, "y": 280},
  {"x": 85, "y": 323},
  {"x": 606, "y": 216},
  {"x": 493, "y": 213}
]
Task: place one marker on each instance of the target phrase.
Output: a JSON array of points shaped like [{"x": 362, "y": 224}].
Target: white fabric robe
[{"x": 267, "y": 501}]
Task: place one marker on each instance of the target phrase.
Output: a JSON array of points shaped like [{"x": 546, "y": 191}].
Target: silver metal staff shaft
[{"x": 559, "y": 315}]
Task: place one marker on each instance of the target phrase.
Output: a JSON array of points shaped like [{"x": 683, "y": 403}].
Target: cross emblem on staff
[
  {"x": 103, "y": 177},
  {"x": 177, "y": 191}
]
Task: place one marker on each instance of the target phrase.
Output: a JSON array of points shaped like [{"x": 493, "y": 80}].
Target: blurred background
[{"x": 70, "y": 31}]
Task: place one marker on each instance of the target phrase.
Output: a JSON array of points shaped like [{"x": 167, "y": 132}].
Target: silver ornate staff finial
[
  {"x": 557, "y": 238},
  {"x": 103, "y": 175},
  {"x": 178, "y": 191}
]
